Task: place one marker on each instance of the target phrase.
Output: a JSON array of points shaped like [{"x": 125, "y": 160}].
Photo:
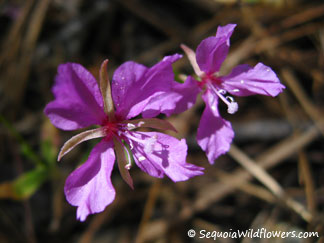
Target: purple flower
[
  {"x": 214, "y": 133},
  {"x": 80, "y": 102}
]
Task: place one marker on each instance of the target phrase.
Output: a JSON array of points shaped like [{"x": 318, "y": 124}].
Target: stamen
[
  {"x": 128, "y": 166},
  {"x": 130, "y": 144},
  {"x": 130, "y": 126},
  {"x": 148, "y": 143},
  {"x": 141, "y": 158},
  {"x": 232, "y": 106},
  {"x": 124, "y": 160}
]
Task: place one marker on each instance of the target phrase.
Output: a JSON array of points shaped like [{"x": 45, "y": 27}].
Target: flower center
[
  {"x": 110, "y": 128},
  {"x": 213, "y": 83},
  {"x": 210, "y": 78}
]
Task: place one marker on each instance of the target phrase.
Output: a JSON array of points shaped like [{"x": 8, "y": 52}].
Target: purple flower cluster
[{"x": 137, "y": 90}]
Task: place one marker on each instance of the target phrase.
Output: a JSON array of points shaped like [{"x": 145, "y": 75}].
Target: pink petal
[
  {"x": 214, "y": 133},
  {"x": 179, "y": 99},
  {"x": 89, "y": 187},
  {"x": 162, "y": 155},
  {"x": 78, "y": 102},
  {"x": 211, "y": 53},
  {"x": 133, "y": 85},
  {"x": 225, "y": 32},
  {"x": 173, "y": 58},
  {"x": 245, "y": 80}
]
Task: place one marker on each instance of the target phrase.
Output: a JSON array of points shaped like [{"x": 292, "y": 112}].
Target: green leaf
[
  {"x": 27, "y": 184},
  {"x": 48, "y": 152}
]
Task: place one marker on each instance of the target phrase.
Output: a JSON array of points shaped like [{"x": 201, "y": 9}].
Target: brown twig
[
  {"x": 12, "y": 43},
  {"x": 266, "y": 160},
  {"x": 148, "y": 209},
  {"x": 249, "y": 188},
  {"x": 302, "y": 98},
  {"x": 306, "y": 178},
  {"x": 260, "y": 174}
]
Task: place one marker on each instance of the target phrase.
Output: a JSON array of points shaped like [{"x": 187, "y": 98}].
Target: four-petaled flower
[
  {"x": 215, "y": 134},
  {"x": 80, "y": 102}
]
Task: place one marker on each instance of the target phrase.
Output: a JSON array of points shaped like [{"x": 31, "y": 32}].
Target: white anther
[
  {"x": 232, "y": 107},
  {"x": 141, "y": 158},
  {"x": 130, "y": 126},
  {"x": 131, "y": 144}
]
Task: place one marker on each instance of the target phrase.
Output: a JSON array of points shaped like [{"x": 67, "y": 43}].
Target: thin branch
[{"x": 260, "y": 174}]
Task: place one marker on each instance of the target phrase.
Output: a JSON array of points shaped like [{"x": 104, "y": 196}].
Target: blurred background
[{"x": 272, "y": 177}]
